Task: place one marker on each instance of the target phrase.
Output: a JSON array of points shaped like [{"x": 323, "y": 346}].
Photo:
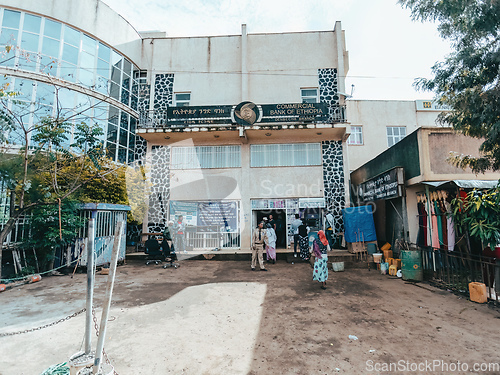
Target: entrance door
[{"x": 279, "y": 217}]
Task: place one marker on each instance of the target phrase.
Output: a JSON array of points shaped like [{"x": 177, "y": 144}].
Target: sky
[{"x": 387, "y": 50}]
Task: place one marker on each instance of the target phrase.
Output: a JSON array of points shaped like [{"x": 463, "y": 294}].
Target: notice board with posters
[{"x": 358, "y": 224}]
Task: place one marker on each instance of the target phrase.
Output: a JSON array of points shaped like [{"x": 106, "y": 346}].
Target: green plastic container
[{"x": 411, "y": 265}]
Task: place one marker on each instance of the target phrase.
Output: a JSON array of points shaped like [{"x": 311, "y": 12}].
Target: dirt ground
[{"x": 218, "y": 317}]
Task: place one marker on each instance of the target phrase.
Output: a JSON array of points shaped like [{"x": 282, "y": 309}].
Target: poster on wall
[
  {"x": 221, "y": 214},
  {"x": 189, "y": 210}
]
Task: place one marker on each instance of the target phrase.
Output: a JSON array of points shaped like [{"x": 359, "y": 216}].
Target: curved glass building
[{"x": 59, "y": 63}]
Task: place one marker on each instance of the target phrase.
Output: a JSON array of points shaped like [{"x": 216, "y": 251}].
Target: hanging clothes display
[
  {"x": 434, "y": 227},
  {"x": 450, "y": 227},
  {"x": 422, "y": 223},
  {"x": 444, "y": 224}
]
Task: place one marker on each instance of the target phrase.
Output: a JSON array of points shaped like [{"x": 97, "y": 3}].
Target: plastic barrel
[{"x": 411, "y": 265}]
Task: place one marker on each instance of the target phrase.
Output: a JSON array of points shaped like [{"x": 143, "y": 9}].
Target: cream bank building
[
  {"x": 237, "y": 128},
  {"x": 230, "y": 128}
]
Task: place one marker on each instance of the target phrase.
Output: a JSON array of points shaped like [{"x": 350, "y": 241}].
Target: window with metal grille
[
  {"x": 285, "y": 155},
  {"x": 206, "y": 157}
]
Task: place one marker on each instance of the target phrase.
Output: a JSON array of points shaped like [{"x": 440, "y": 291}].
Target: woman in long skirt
[
  {"x": 271, "y": 244},
  {"x": 304, "y": 242},
  {"x": 320, "y": 271}
]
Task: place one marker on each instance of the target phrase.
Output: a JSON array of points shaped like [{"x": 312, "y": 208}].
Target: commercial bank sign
[
  {"x": 247, "y": 114},
  {"x": 387, "y": 185}
]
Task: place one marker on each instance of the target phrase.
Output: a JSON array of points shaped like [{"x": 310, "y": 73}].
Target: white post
[
  {"x": 109, "y": 294},
  {"x": 90, "y": 283}
]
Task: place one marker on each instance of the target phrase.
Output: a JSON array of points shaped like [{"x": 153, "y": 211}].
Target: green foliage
[
  {"x": 110, "y": 188},
  {"x": 468, "y": 80},
  {"x": 46, "y": 235},
  {"x": 479, "y": 215}
]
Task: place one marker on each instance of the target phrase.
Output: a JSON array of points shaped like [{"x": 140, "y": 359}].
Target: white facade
[
  {"x": 264, "y": 69},
  {"x": 375, "y": 116}
]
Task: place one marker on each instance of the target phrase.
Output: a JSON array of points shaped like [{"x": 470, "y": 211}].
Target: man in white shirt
[{"x": 295, "y": 228}]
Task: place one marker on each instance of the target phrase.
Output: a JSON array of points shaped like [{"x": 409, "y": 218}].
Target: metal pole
[
  {"x": 109, "y": 294},
  {"x": 90, "y": 283}
]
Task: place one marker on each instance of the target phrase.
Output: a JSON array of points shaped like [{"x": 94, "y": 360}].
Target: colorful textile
[
  {"x": 320, "y": 271},
  {"x": 304, "y": 247},
  {"x": 434, "y": 228},
  {"x": 271, "y": 252},
  {"x": 322, "y": 237}
]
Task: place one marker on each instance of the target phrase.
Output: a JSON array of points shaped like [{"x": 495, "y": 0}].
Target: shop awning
[{"x": 466, "y": 184}]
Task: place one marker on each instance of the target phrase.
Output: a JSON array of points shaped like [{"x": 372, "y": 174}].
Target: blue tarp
[{"x": 358, "y": 224}]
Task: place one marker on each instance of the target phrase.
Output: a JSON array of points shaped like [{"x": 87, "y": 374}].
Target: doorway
[{"x": 279, "y": 217}]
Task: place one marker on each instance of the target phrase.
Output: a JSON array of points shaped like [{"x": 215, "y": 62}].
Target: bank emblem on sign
[{"x": 247, "y": 113}]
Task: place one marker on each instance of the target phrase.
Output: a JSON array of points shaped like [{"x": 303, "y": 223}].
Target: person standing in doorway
[
  {"x": 329, "y": 227},
  {"x": 180, "y": 229},
  {"x": 259, "y": 238},
  {"x": 294, "y": 225},
  {"x": 272, "y": 223},
  {"x": 270, "y": 244}
]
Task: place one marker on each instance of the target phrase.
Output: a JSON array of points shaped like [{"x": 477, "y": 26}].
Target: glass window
[
  {"x": 127, "y": 67},
  {"x": 133, "y": 124},
  {"x": 285, "y": 155},
  {"x": 309, "y": 95},
  {"x": 52, "y": 29},
  {"x": 206, "y": 157},
  {"x": 123, "y": 137},
  {"x": 9, "y": 37},
  {"x": 24, "y": 88},
  {"x": 50, "y": 47},
  {"x": 356, "y": 137},
  {"x": 103, "y": 68},
  {"x": 124, "y": 120},
  {"x": 111, "y": 150},
  {"x": 86, "y": 77},
  {"x": 70, "y": 54},
  {"x": 182, "y": 99},
  {"x": 102, "y": 85},
  {"x": 112, "y": 132},
  {"x": 29, "y": 42},
  {"x": 89, "y": 44},
  {"x": 125, "y": 97},
  {"x": 122, "y": 154},
  {"x": 113, "y": 115},
  {"x": 104, "y": 52},
  {"x": 116, "y": 59},
  {"x": 32, "y": 23},
  {"x": 11, "y": 19},
  {"x": 131, "y": 140},
  {"x": 395, "y": 134},
  {"x": 68, "y": 71},
  {"x": 114, "y": 91},
  {"x": 45, "y": 93},
  {"x": 87, "y": 61},
  {"x": 72, "y": 36},
  {"x": 66, "y": 98},
  {"x": 116, "y": 75},
  {"x": 48, "y": 65}
]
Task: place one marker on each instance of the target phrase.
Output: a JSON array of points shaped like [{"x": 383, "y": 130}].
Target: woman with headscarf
[
  {"x": 304, "y": 242},
  {"x": 320, "y": 271},
  {"x": 271, "y": 244}
]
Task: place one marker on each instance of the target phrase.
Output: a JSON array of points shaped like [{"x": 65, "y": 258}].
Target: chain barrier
[
  {"x": 96, "y": 327},
  {"x": 44, "y": 326}
]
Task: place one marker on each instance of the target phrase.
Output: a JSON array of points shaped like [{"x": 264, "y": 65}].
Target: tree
[
  {"x": 468, "y": 80},
  {"x": 39, "y": 163}
]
